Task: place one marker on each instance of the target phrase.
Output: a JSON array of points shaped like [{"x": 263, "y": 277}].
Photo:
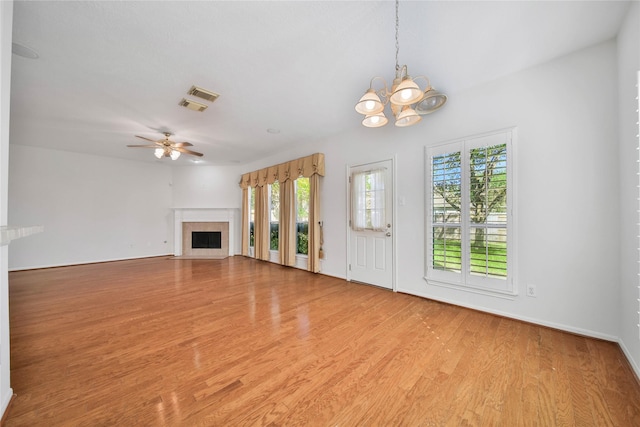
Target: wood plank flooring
[{"x": 236, "y": 342}]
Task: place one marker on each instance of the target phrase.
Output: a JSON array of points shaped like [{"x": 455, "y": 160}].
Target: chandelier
[{"x": 407, "y": 101}]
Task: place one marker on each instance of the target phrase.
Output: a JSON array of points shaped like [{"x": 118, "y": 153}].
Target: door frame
[{"x": 394, "y": 213}]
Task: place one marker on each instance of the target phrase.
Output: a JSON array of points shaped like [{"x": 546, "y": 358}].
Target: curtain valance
[{"x": 304, "y": 166}]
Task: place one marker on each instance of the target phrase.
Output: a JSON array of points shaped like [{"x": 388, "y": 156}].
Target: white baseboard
[
  {"x": 559, "y": 326},
  {"x": 630, "y": 358},
  {"x": 6, "y": 399},
  {"x": 36, "y": 267}
]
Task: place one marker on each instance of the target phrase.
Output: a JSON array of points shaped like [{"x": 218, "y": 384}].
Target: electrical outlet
[{"x": 531, "y": 290}]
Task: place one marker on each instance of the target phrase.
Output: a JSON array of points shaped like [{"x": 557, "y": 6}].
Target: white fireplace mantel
[{"x": 181, "y": 215}]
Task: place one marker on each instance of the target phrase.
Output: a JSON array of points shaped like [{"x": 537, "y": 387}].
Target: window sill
[{"x": 508, "y": 295}]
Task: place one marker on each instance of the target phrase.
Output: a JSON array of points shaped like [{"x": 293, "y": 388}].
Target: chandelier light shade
[
  {"x": 159, "y": 152},
  {"x": 370, "y": 103},
  {"x": 407, "y": 117},
  {"x": 406, "y": 93},
  {"x": 375, "y": 120},
  {"x": 174, "y": 154},
  {"x": 432, "y": 100},
  {"x": 408, "y": 102}
]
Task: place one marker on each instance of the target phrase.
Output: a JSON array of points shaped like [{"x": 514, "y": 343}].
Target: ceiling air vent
[
  {"x": 192, "y": 105},
  {"x": 202, "y": 93}
]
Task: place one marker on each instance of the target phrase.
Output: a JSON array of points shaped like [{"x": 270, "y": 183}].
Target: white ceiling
[{"x": 110, "y": 70}]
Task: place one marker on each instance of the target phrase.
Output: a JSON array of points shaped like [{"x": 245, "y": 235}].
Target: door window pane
[{"x": 367, "y": 200}]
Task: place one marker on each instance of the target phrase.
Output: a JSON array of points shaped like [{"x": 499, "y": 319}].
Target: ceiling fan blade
[
  {"x": 143, "y": 146},
  {"x": 182, "y": 144},
  {"x": 185, "y": 151},
  {"x": 147, "y": 139}
]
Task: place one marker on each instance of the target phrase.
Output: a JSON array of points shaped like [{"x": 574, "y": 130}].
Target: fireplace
[
  {"x": 205, "y": 239},
  {"x": 205, "y": 232}
]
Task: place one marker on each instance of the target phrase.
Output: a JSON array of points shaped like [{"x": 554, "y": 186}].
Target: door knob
[{"x": 388, "y": 234}]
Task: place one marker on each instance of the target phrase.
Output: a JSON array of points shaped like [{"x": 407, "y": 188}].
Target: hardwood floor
[{"x": 236, "y": 342}]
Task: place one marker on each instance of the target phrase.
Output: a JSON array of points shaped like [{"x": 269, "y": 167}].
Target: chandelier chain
[{"x": 397, "y": 43}]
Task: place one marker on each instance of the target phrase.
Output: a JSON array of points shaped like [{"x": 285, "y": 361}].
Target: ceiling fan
[{"x": 166, "y": 148}]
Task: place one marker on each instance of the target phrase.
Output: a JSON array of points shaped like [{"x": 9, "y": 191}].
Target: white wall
[
  {"x": 92, "y": 208},
  {"x": 566, "y": 188},
  {"x": 6, "y": 25},
  {"x": 567, "y": 193},
  {"x": 628, "y": 67},
  {"x": 206, "y": 187}
]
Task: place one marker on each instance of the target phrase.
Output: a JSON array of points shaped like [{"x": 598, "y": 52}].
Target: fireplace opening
[{"x": 206, "y": 240}]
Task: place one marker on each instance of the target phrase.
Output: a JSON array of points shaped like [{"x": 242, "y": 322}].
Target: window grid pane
[
  {"x": 446, "y": 188},
  {"x": 488, "y": 209},
  {"x": 488, "y": 252},
  {"x": 446, "y": 194},
  {"x": 447, "y": 249}
]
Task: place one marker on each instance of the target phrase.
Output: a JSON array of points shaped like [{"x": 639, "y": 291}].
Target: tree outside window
[
  {"x": 252, "y": 217},
  {"x": 302, "y": 215},
  {"x": 274, "y": 223}
]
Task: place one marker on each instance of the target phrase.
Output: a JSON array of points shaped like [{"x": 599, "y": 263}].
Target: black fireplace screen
[{"x": 206, "y": 240}]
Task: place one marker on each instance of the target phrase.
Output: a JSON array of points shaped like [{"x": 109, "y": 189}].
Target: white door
[{"x": 371, "y": 223}]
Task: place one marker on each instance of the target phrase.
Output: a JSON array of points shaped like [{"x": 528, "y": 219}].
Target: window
[
  {"x": 469, "y": 221},
  {"x": 367, "y": 203},
  {"x": 302, "y": 216},
  {"x": 252, "y": 217},
  {"x": 274, "y": 215}
]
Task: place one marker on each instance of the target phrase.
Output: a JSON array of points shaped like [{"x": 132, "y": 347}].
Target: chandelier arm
[
  {"x": 383, "y": 92},
  {"x": 401, "y": 72},
  {"x": 425, "y": 78}
]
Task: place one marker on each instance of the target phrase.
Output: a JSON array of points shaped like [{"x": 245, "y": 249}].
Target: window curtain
[
  {"x": 261, "y": 225},
  {"x": 367, "y": 200},
  {"x": 313, "y": 262},
  {"x": 287, "y": 246},
  {"x": 245, "y": 221},
  {"x": 311, "y": 167}
]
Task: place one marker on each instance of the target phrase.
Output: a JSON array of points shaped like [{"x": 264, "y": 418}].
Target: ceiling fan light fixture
[{"x": 167, "y": 148}]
